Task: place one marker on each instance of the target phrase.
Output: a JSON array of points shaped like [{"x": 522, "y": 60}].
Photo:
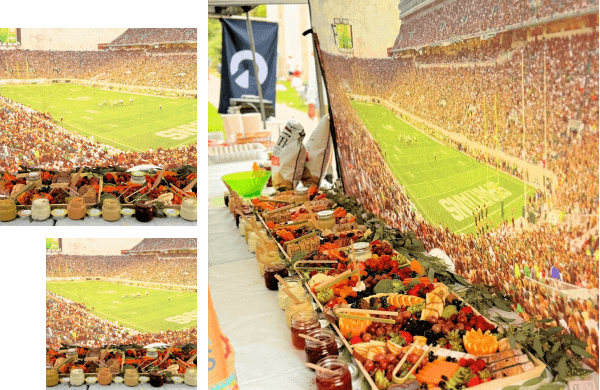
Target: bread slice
[
  {"x": 499, "y": 365},
  {"x": 512, "y": 371},
  {"x": 496, "y": 357}
]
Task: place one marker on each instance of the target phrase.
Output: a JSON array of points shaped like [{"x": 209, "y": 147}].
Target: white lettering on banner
[
  {"x": 184, "y": 318},
  {"x": 462, "y": 205},
  {"x": 181, "y": 132}
]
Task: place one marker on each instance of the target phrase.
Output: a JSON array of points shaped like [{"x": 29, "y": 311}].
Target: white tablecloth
[
  {"x": 114, "y": 386},
  {"x": 129, "y": 221}
]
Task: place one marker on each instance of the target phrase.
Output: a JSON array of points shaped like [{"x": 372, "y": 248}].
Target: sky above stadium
[
  {"x": 67, "y": 38},
  {"x": 97, "y": 246}
]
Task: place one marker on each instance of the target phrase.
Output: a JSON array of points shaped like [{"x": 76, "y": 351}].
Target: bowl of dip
[
  {"x": 144, "y": 379},
  {"x": 171, "y": 213},
  {"x": 90, "y": 380},
  {"x": 24, "y": 213},
  {"x": 118, "y": 379},
  {"x": 177, "y": 379},
  {"x": 65, "y": 380},
  {"x": 94, "y": 213},
  {"x": 59, "y": 213},
  {"x": 127, "y": 212}
]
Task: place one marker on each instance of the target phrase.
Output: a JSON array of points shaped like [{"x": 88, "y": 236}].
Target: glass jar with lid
[
  {"x": 111, "y": 209},
  {"x": 76, "y": 208},
  {"x": 302, "y": 323},
  {"x": 34, "y": 178},
  {"x": 40, "y": 209},
  {"x": 292, "y": 308},
  {"x": 301, "y": 195},
  {"x": 296, "y": 288},
  {"x": 362, "y": 251},
  {"x": 152, "y": 353},
  {"x": 268, "y": 254},
  {"x": 77, "y": 377},
  {"x": 270, "y": 272},
  {"x": 189, "y": 209},
  {"x": 327, "y": 346},
  {"x": 144, "y": 211},
  {"x": 8, "y": 210},
  {"x": 71, "y": 353},
  {"x": 326, "y": 219},
  {"x": 337, "y": 378}
]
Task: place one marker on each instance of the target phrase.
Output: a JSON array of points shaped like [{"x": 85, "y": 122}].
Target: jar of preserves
[
  {"x": 40, "y": 209},
  {"x": 362, "y": 251},
  {"x": 157, "y": 378},
  {"x": 292, "y": 308},
  {"x": 226, "y": 198},
  {"x": 144, "y": 211},
  {"x": 271, "y": 271},
  {"x": 296, "y": 288},
  {"x": 338, "y": 378},
  {"x": 8, "y": 210},
  {"x": 301, "y": 195},
  {"x": 302, "y": 323},
  {"x": 327, "y": 346},
  {"x": 326, "y": 219},
  {"x": 76, "y": 208}
]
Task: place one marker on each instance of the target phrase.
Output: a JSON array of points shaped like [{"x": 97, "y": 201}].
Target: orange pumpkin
[{"x": 351, "y": 328}]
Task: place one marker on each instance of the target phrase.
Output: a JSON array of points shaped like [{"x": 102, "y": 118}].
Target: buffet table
[
  {"x": 250, "y": 316},
  {"x": 123, "y": 386}
]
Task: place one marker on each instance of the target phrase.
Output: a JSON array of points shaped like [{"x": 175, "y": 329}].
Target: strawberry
[
  {"x": 473, "y": 382},
  {"x": 480, "y": 364},
  {"x": 355, "y": 340},
  {"x": 470, "y": 362},
  {"x": 462, "y": 362},
  {"x": 466, "y": 310},
  {"x": 406, "y": 336}
]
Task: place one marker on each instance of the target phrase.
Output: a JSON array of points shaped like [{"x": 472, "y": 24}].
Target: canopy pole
[
  {"x": 322, "y": 111},
  {"x": 260, "y": 95}
]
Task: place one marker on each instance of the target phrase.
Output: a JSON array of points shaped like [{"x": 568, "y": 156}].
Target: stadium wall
[{"x": 158, "y": 286}]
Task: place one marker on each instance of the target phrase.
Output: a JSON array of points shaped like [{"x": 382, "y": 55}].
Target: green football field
[
  {"x": 150, "y": 313},
  {"x": 136, "y": 126},
  {"x": 445, "y": 185}
]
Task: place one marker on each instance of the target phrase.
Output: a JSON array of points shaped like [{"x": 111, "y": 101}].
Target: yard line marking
[
  {"x": 492, "y": 213},
  {"x": 447, "y": 177},
  {"x": 99, "y": 136}
]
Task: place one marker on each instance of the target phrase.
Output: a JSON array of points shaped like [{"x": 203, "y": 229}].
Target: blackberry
[
  {"x": 395, "y": 276},
  {"x": 442, "y": 385},
  {"x": 444, "y": 377},
  {"x": 413, "y": 274},
  {"x": 456, "y": 302},
  {"x": 450, "y": 359},
  {"x": 424, "y": 386},
  {"x": 431, "y": 356}
]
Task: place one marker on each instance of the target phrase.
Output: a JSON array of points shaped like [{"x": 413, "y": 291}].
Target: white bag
[
  {"x": 289, "y": 154},
  {"x": 318, "y": 150}
]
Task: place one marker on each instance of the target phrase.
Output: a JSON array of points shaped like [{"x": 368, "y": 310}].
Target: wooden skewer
[
  {"x": 375, "y": 312},
  {"x": 158, "y": 179},
  {"x": 414, "y": 367},
  {"x": 128, "y": 187},
  {"x": 354, "y": 261},
  {"x": 190, "y": 186},
  {"x": 289, "y": 294},
  {"x": 191, "y": 360},
  {"x": 374, "y": 319},
  {"x": 312, "y": 216},
  {"x": 317, "y": 368},
  {"x": 306, "y": 337},
  {"x": 335, "y": 280},
  {"x": 283, "y": 282},
  {"x": 76, "y": 178}
]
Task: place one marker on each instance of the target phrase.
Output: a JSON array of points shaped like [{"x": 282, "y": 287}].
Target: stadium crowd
[
  {"x": 572, "y": 85},
  {"x": 163, "y": 244},
  {"x": 152, "y": 268},
  {"x": 32, "y": 138},
  {"x": 71, "y": 323},
  {"x": 147, "y": 36},
  {"x": 437, "y": 22}
]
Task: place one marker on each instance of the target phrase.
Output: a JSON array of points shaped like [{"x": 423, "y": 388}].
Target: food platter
[{"x": 383, "y": 263}]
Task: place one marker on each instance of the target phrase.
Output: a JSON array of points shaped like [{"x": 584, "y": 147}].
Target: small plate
[
  {"x": 59, "y": 213},
  {"x": 94, "y": 213},
  {"x": 171, "y": 213},
  {"x": 91, "y": 380},
  {"x": 24, "y": 213},
  {"x": 127, "y": 212}
]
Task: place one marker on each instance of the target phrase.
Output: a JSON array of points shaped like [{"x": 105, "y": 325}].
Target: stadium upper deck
[{"x": 430, "y": 23}]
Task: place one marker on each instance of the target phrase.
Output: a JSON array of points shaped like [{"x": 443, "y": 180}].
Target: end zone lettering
[{"x": 462, "y": 205}]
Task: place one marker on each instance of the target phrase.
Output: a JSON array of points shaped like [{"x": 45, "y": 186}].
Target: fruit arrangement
[
  {"x": 113, "y": 359},
  {"x": 283, "y": 235},
  {"x": 136, "y": 357}
]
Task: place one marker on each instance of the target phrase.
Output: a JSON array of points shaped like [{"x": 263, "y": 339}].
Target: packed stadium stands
[
  {"x": 160, "y": 245},
  {"x": 34, "y": 139}
]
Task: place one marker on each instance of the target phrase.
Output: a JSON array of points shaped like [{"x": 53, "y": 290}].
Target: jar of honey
[
  {"x": 326, "y": 219},
  {"x": 51, "y": 377},
  {"x": 292, "y": 308},
  {"x": 104, "y": 376},
  {"x": 338, "y": 377},
  {"x": 76, "y": 208},
  {"x": 8, "y": 210},
  {"x": 302, "y": 323},
  {"x": 296, "y": 288},
  {"x": 327, "y": 346}
]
